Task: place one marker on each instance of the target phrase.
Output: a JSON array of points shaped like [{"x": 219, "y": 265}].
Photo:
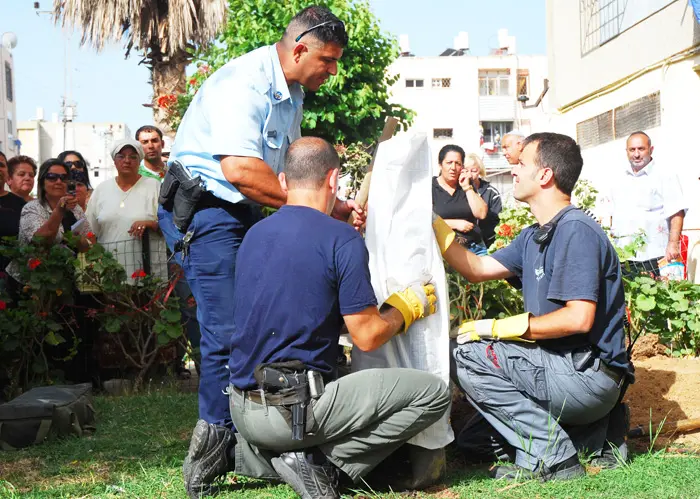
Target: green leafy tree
[{"x": 350, "y": 107}]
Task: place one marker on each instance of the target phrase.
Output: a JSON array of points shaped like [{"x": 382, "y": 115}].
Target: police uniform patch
[{"x": 277, "y": 95}]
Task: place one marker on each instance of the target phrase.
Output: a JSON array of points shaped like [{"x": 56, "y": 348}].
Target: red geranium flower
[
  {"x": 3, "y": 305},
  {"x": 193, "y": 81},
  {"x": 33, "y": 263},
  {"x": 138, "y": 274},
  {"x": 91, "y": 235},
  {"x": 505, "y": 230}
]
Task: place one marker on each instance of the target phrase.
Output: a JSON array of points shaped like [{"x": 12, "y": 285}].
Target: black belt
[
  {"x": 616, "y": 374},
  {"x": 266, "y": 398}
]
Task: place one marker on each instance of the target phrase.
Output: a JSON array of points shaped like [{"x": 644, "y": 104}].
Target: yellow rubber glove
[
  {"x": 443, "y": 233},
  {"x": 414, "y": 302},
  {"x": 510, "y": 328}
]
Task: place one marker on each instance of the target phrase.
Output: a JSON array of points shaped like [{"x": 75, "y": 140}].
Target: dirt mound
[
  {"x": 666, "y": 388},
  {"x": 647, "y": 346}
]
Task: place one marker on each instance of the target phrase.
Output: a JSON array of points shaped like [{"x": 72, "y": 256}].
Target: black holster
[
  {"x": 180, "y": 194},
  {"x": 288, "y": 379}
]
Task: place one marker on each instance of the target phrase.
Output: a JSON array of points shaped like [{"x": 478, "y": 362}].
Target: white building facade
[
  {"x": 472, "y": 101},
  {"x": 42, "y": 140},
  {"x": 618, "y": 66},
  {"x": 8, "y": 107}
]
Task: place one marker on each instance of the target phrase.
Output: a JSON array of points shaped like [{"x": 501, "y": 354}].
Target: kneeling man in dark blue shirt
[
  {"x": 300, "y": 275},
  {"x": 561, "y": 365}
]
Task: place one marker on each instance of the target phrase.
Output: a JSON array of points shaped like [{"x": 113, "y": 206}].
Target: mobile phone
[{"x": 71, "y": 188}]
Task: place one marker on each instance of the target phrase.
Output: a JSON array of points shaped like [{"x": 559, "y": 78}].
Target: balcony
[
  {"x": 497, "y": 108},
  {"x": 496, "y": 162}
]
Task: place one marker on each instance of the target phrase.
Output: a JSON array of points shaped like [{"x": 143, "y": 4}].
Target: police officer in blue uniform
[
  {"x": 225, "y": 159},
  {"x": 539, "y": 376}
]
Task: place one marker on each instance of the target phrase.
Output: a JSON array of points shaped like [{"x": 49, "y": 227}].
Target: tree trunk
[{"x": 167, "y": 78}]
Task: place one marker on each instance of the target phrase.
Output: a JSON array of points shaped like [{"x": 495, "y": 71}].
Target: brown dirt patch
[
  {"x": 647, "y": 346},
  {"x": 670, "y": 388}
]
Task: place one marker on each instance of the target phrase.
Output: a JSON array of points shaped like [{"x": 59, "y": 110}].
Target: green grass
[{"x": 141, "y": 440}]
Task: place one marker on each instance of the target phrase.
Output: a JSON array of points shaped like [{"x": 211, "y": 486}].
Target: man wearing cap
[
  {"x": 224, "y": 165},
  {"x": 121, "y": 209},
  {"x": 512, "y": 144}
]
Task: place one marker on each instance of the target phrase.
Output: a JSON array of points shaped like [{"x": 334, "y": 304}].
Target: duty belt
[
  {"x": 589, "y": 359},
  {"x": 274, "y": 399}
]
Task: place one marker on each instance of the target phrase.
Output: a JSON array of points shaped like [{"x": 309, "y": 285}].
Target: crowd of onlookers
[{"x": 40, "y": 204}]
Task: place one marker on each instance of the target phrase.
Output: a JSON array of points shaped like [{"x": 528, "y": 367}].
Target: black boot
[
  {"x": 565, "y": 470},
  {"x": 309, "y": 480},
  {"x": 615, "y": 447},
  {"x": 208, "y": 458}
]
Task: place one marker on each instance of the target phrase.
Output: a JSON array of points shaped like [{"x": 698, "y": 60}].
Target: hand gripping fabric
[
  {"x": 510, "y": 328},
  {"x": 414, "y": 302},
  {"x": 443, "y": 233},
  {"x": 207, "y": 458}
]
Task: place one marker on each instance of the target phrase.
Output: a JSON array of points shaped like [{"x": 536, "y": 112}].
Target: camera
[{"x": 71, "y": 187}]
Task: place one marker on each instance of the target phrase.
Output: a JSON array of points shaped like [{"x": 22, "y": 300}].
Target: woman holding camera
[
  {"x": 456, "y": 200},
  {"x": 79, "y": 170}
]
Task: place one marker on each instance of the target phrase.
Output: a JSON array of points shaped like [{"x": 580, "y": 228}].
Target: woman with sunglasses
[{"x": 43, "y": 217}]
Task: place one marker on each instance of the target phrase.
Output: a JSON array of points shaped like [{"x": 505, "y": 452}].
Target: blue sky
[{"x": 109, "y": 88}]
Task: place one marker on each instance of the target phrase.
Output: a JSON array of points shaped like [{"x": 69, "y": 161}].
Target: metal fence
[{"x": 148, "y": 254}]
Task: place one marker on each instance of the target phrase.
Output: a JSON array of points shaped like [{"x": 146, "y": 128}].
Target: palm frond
[{"x": 166, "y": 25}]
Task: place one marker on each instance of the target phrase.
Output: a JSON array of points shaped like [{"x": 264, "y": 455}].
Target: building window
[
  {"x": 523, "y": 82},
  {"x": 618, "y": 123},
  {"x": 494, "y": 82},
  {"x": 493, "y": 131},
  {"x": 442, "y": 133},
  {"x": 414, "y": 83},
  {"x": 96, "y": 173},
  {"x": 8, "y": 81},
  {"x": 442, "y": 82}
]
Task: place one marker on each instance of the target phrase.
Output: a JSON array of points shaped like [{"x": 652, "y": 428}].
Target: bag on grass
[{"x": 59, "y": 410}]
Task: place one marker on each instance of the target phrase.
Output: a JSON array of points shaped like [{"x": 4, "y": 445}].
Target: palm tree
[{"x": 163, "y": 30}]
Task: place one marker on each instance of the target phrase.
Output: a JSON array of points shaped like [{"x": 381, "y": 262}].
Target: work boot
[
  {"x": 207, "y": 459},
  {"x": 481, "y": 443},
  {"x": 309, "y": 480},
  {"x": 428, "y": 466},
  {"x": 615, "y": 451},
  {"x": 565, "y": 470}
]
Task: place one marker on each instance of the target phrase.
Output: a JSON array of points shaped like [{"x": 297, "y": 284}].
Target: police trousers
[
  {"x": 357, "y": 422},
  {"x": 209, "y": 263},
  {"x": 529, "y": 394}
]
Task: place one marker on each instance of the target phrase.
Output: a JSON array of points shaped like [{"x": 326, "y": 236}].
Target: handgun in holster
[
  {"x": 180, "y": 194},
  {"x": 289, "y": 380}
]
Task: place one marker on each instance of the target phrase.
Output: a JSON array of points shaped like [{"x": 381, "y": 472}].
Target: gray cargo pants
[
  {"x": 528, "y": 393},
  {"x": 358, "y": 421}
]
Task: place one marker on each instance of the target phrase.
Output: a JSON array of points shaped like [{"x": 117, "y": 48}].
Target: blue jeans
[
  {"x": 478, "y": 249},
  {"x": 209, "y": 267}
]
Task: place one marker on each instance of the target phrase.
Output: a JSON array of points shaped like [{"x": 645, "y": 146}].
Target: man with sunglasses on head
[{"x": 223, "y": 168}]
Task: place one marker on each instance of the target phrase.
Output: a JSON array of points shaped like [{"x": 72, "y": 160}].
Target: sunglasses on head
[
  {"x": 336, "y": 26},
  {"x": 63, "y": 177}
]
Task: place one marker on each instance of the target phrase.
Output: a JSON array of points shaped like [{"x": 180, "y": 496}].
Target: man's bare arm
[
  {"x": 254, "y": 179},
  {"x": 673, "y": 249},
  {"x": 371, "y": 328},
  {"x": 475, "y": 268},
  {"x": 575, "y": 318}
]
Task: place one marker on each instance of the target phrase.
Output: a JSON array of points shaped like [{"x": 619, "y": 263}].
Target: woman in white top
[{"x": 121, "y": 209}]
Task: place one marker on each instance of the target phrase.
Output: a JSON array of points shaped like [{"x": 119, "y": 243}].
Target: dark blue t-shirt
[
  {"x": 297, "y": 273},
  {"x": 579, "y": 263}
]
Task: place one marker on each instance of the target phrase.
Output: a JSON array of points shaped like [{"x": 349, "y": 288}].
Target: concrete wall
[
  {"x": 43, "y": 140},
  {"x": 460, "y": 107},
  {"x": 8, "y": 109}
]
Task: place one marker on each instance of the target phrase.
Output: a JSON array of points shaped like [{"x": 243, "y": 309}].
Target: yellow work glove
[
  {"x": 510, "y": 328},
  {"x": 414, "y": 302},
  {"x": 443, "y": 233}
]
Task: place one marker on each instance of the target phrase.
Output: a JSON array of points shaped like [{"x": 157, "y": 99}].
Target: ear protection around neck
[{"x": 544, "y": 234}]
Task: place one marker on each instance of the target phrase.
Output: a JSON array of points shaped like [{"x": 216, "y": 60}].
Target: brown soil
[
  {"x": 668, "y": 388},
  {"x": 647, "y": 346}
]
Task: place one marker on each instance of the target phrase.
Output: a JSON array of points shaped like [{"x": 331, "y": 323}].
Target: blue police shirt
[
  {"x": 298, "y": 272},
  {"x": 579, "y": 263},
  {"x": 245, "y": 108}
]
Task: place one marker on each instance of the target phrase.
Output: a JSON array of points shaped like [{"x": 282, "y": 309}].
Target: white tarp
[{"x": 402, "y": 251}]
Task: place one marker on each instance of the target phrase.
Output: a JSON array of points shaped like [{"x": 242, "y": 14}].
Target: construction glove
[
  {"x": 414, "y": 302},
  {"x": 510, "y": 328},
  {"x": 443, "y": 233}
]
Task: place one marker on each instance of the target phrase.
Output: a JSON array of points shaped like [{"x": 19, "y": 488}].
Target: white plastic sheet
[{"x": 403, "y": 251}]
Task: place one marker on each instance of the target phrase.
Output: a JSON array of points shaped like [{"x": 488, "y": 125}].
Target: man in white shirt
[{"x": 647, "y": 198}]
